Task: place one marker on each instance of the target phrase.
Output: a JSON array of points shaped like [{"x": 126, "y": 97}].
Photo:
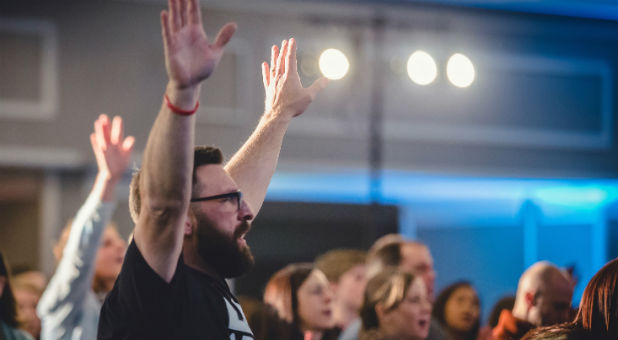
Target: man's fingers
[
  {"x": 279, "y": 68},
  {"x": 165, "y": 30},
  {"x": 174, "y": 18},
  {"x": 128, "y": 144},
  {"x": 183, "y": 11},
  {"x": 317, "y": 86},
  {"x": 274, "y": 54},
  {"x": 291, "y": 57},
  {"x": 117, "y": 131},
  {"x": 225, "y": 34},
  {"x": 265, "y": 75},
  {"x": 195, "y": 14}
]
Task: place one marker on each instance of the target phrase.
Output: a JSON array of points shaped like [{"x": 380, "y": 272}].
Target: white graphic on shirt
[{"x": 238, "y": 328}]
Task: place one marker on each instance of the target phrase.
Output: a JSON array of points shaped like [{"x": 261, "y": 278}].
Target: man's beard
[{"x": 225, "y": 255}]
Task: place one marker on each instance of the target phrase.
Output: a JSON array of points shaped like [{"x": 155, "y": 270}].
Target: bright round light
[
  {"x": 422, "y": 68},
  {"x": 460, "y": 70},
  {"x": 333, "y": 64}
]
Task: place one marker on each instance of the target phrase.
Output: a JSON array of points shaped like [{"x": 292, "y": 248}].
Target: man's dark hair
[{"x": 202, "y": 155}]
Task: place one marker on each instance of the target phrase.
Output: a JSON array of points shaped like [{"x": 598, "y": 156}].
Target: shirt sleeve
[{"x": 63, "y": 298}]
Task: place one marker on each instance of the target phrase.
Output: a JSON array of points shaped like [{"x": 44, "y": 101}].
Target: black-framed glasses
[{"x": 235, "y": 194}]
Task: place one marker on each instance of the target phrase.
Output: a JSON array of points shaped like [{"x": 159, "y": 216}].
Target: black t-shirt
[{"x": 192, "y": 306}]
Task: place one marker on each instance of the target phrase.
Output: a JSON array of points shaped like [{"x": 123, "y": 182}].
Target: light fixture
[
  {"x": 422, "y": 69},
  {"x": 334, "y": 64},
  {"x": 460, "y": 70}
]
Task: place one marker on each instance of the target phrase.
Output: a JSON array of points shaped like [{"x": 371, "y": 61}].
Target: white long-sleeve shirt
[{"x": 69, "y": 308}]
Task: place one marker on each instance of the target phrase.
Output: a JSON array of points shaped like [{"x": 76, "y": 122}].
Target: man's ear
[
  {"x": 530, "y": 300},
  {"x": 189, "y": 221}
]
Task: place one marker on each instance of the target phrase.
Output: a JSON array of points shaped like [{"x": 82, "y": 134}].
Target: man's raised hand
[
  {"x": 189, "y": 56},
  {"x": 285, "y": 94}
]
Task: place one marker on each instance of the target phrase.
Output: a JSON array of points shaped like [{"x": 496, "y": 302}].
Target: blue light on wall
[{"x": 561, "y": 220}]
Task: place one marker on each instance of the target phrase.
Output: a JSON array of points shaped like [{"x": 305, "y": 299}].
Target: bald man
[{"x": 543, "y": 298}]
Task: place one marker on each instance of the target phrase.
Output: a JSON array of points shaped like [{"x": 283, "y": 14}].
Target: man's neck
[
  {"x": 344, "y": 315},
  {"x": 520, "y": 312},
  {"x": 193, "y": 259}
]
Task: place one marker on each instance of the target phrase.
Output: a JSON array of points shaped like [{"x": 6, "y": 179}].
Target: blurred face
[
  {"x": 26, "y": 310},
  {"x": 110, "y": 255},
  {"x": 462, "y": 310},
  {"x": 553, "y": 304},
  {"x": 411, "y": 319},
  {"x": 416, "y": 259},
  {"x": 351, "y": 287},
  {"x": 315, "y": 303}
]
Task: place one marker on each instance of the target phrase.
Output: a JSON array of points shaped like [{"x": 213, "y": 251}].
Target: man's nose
[{"x": 245, "y": 213}]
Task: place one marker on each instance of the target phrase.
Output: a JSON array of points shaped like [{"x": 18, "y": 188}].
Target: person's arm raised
[
  {"x": 254, "y": 164},
  {"x": 165, "y": 182}
]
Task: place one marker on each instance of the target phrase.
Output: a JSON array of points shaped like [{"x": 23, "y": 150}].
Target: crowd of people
[{"x": 192, "y": 212}]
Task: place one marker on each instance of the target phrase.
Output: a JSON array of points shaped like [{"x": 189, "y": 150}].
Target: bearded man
[{"x": 191, "y": 218}]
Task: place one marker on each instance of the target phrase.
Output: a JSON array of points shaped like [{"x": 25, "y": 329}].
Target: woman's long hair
[
  {"x": 8, "y": 306},
  {"x": 281, "y": 291},
  {"x": 598, "y": 309},
  {"x": 439, "y": 308}
]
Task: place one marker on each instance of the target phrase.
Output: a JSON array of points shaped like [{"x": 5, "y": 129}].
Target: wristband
[{"x": 178, "y": 110}]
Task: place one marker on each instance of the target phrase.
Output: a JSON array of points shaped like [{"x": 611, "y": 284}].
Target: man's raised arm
[
  {"x": 165, "y": 181},
  {"x": 254, "y": 164}
]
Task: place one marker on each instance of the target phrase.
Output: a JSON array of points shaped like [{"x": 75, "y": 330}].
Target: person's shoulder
[
  {"x": 435, "y": 330},
  {"x": 11, "y": 333},
  {"x": 352, "y": 331}
]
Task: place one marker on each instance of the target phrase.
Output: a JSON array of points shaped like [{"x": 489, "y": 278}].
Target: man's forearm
[
  {"x": 254, "y": 164},
  {"x": 168, "y": 157}
]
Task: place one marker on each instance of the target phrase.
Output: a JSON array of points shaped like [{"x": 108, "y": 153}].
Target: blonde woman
[{"x": 395, "y": 306}]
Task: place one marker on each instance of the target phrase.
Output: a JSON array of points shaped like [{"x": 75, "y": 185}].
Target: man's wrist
[
  {"x": 182, "y": 98},
  {"x": 277, "y": 115}
]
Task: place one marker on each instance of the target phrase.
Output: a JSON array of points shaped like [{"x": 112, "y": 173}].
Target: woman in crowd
[
  {"x": 458, "y": 310},
  {"x": 597, "y": 317},
  {"x": 90, "y": 252},
  {"x": 300, "y": 296},
  {"x": 8, "y": 308},
  {"x": 395, "y": 306}
]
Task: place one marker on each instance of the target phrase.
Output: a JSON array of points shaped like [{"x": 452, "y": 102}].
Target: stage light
[
  {"x": 334, "y": 64},
  {"x": 422, "y": 68},
  {"x": 460, "y": 70}
]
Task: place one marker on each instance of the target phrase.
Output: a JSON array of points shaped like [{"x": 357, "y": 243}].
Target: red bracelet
[{"x": 178, "y": 110}]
